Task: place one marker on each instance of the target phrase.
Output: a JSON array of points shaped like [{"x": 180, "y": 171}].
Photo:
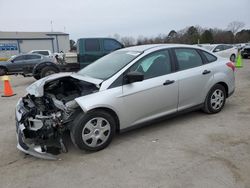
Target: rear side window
[
  {"x": 187, "y": 58},
  {"x": 210, "y": 58},
  {"x": 33, "y": 57},
  {"x": 41, "y": 52},
  {"x": 227, "y": 47},
  {"x": 111, "y": 45},
  {"x": 92, "y": 45},
  {"x": 219, "y": 48}
]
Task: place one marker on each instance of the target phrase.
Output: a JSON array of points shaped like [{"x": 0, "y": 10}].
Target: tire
[
  {"x": 2, "y": 71},
  {"x": 245, "y": 57},
  {"x": 232, "y": 58},
  {"x": 86, "y": 134},
  {"x": 37, "y": 77},
  {"x": 215, "y": 99},
  {"x": 46, "y": 71}
]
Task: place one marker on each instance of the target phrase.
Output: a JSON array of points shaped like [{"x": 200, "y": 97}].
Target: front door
[
  {"x": 156, "y": 95},
  {"x": 17, "y": 64}
]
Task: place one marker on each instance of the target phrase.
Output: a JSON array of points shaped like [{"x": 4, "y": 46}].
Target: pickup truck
[{"x": 88, "y": 50}]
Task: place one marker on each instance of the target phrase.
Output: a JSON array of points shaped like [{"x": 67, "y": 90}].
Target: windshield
[
  {"x": 12, "y": 57},
  {"x": 108, "y": 65}
]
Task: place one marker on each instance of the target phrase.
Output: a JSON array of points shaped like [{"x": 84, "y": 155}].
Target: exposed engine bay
[{"x": 42, "y": 121}]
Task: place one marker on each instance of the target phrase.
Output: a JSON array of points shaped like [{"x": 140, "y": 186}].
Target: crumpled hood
[{"x": 37, "y": 88}]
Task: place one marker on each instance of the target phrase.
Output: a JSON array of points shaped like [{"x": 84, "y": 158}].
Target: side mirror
[
  {"x": 12, "y": 61},
  {"x": 217, "y": 50},
  {"x": 134, "y": 76}
]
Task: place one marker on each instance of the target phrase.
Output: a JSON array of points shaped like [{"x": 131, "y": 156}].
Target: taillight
[{"x": 231, "y": 65}]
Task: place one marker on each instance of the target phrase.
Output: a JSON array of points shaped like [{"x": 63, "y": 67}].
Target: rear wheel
[
  {"x": 46, "y": 71},
  {"x": 232, "y": 58},
  {"x": 215, "y": 99},
  {"x": 37, "y": 77},
  {"x": 93, "y": 131}
]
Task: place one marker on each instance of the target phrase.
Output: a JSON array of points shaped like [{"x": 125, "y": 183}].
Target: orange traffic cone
[{"x": 8, "y": 92}]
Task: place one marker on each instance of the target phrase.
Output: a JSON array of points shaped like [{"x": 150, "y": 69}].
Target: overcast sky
[{"x": 93, "y": 18}]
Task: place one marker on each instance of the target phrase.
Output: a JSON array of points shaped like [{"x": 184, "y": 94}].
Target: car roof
[
  {"x": 29, "y": 54},
  {"x": 143, "y": 48},
  {"x": 40, "y": 50}
]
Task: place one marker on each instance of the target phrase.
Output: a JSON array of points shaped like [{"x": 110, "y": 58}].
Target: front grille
[{"x": 247, "y": 50}]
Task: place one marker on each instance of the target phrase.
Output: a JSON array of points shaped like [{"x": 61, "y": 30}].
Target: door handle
[
  {"x": 168, "y": 82},
  {"x": 206, "y": 72}
]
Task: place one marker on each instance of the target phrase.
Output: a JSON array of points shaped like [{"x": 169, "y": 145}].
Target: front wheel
[
  {"x": 93, "y": 131},
  {"x": 215, "y": 99}
]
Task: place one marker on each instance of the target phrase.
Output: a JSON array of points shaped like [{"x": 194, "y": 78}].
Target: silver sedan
[{"x": 120, "y": 91}]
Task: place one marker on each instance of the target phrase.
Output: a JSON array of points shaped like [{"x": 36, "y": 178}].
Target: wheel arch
[
  {"x": 42, "y": 65},
  {"x": 3, "y": 67},
  {"x": 224, "y": 85},
  {"x": 111, "y": 112}
]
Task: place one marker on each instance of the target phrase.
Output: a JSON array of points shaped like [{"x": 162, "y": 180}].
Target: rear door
[
  {"x": 31, "y": 61},
  {"x": 194, "y": 77},
  {"x": 229, "y": 50}
]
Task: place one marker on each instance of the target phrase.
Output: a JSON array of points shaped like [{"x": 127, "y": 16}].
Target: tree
[
  {"x": 221, "y": 36},
  {"x": 172, "y": 35},
  {"x": 235, "y": 26},
  {"x": 72, "y": 45},
  {"x": 128, "y": 41},
  {"x": 207, "y": 37},
  {"x": 191, "y": 36},
  {"x": 243, "y": 36}
]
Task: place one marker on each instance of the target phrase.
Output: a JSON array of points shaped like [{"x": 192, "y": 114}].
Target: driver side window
[{"x": 153, "y": 65}]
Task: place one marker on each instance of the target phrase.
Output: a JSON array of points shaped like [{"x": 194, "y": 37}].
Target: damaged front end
[{"x": 41, "y": 121}]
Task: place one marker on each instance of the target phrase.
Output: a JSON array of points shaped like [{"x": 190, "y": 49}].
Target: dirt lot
[{"x": 191, "y": 151}]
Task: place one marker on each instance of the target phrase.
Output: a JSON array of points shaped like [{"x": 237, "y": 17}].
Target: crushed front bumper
[{"x": 22, "y": 145}]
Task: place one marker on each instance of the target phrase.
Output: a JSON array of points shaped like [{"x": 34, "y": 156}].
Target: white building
[{"x": 13, "y": 43}]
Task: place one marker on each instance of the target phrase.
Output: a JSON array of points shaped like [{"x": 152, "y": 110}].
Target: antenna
[{"x": 51, "y": 25}]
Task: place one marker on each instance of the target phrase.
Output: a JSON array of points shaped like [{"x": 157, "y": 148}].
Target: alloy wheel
[
  {"x": 217, "y": 99},
  {"x": 96, "y": 132}
]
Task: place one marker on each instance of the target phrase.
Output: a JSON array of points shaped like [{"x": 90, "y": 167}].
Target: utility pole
[{"x": 51, "y": 25}]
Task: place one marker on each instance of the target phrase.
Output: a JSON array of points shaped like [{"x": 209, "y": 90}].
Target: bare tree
[
  {"x": 235, "y": 26},
  {"x": 128, "y": 41}
]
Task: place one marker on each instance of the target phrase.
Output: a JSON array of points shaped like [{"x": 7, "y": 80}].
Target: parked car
[
  {"x": 245, "y": 53},
  {"x": 239, "y": 46},
  {"x": 22, "y": 64},
  {"x": 223, "y": 50},
  {"x": 47, "y": 53},
  {"x": 118, "y": 92}
]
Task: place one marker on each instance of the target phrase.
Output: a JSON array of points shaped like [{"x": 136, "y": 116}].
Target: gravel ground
[{"x": 194, "y": 150}]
